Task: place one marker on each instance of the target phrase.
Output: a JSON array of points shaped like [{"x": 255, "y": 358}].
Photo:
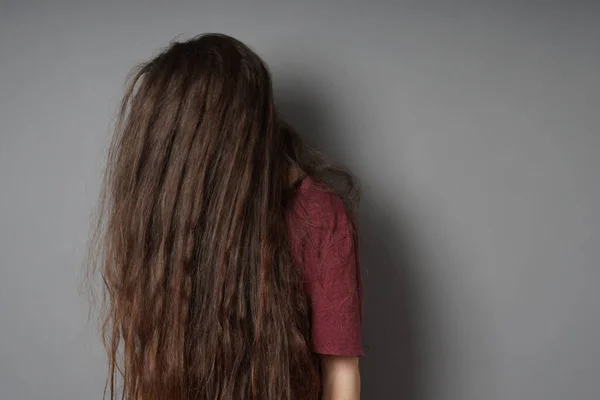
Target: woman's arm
[{"x": 341, "y": 378}]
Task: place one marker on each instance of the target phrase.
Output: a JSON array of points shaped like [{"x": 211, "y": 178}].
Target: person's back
[{"x": 225, "y": 277}]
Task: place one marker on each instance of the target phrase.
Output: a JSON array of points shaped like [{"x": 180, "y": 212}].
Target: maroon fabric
[{"x": 324, "y": 246}]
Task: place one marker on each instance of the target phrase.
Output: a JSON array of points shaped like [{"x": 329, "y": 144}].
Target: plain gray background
[{"x": 474, "y": 127}]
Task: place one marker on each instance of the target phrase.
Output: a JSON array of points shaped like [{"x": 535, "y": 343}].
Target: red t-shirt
[{"x": 324, "y": 246}]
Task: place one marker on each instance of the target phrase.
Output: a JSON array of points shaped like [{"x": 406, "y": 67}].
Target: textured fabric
[{"x": 324, "y": 246}]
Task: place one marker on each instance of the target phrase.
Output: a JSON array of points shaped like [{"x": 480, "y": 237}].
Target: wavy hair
[{"x": 200, "y": 296}]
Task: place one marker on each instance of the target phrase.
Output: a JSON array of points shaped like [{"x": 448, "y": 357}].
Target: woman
[{"x": 228, "y": 256}]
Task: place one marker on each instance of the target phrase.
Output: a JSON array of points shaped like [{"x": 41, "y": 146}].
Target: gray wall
[{"x": 475, "y": 129}]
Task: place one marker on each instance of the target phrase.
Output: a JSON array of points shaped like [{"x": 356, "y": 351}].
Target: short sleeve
[
  {"x": 336, "y": 298},
  {"x": 328, "y": 253}
]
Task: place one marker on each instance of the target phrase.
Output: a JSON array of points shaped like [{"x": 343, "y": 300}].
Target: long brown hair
[{"x": 201, "y": 300}]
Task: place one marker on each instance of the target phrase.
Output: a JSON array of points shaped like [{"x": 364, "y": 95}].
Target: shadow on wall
[{"x": 388, "y": 370}]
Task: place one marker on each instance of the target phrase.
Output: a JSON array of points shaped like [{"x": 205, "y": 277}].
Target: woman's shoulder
[
  {"x": 324, "y": 247},
  {"x": 316, "y": 203}
]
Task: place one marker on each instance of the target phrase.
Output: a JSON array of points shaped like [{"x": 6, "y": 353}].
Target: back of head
[{"x": 201, "y": 294}]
